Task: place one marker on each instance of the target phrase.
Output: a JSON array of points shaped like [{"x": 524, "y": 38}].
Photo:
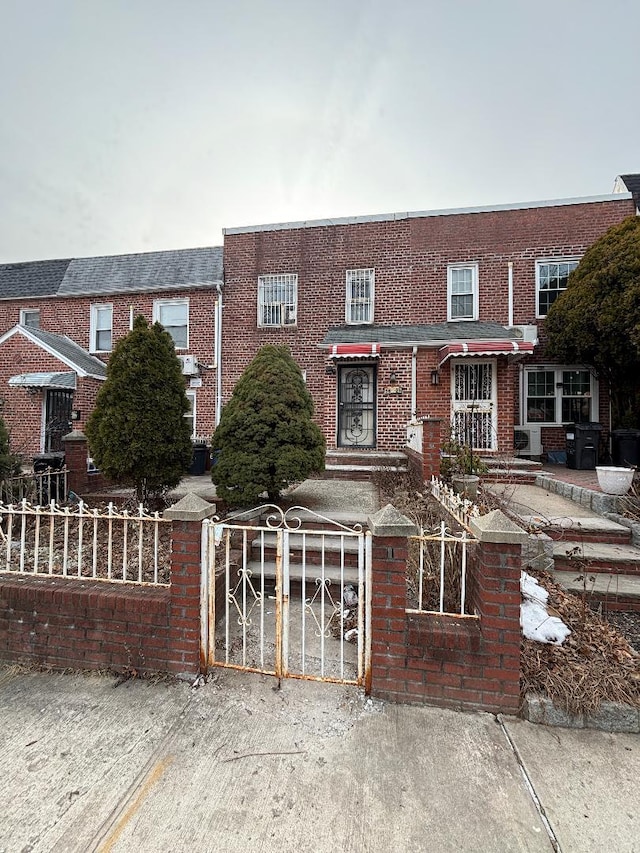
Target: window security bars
[
  {"x": 277, "y": 300},
  {"x": 85, "y": 543},
  {"x": 462, "y": 509},
  {"x": 437, "y": 573},
  {"x": 37, "y": 488},
  {"x": 360, "y": 296}
]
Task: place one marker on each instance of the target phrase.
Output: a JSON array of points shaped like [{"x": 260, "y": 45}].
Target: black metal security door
[
  {"x": 57, "y": 418},
  {"x": 357, "y": 406}
]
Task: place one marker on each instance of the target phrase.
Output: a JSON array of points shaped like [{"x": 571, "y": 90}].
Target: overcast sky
[{"x": 132, "y": 125}]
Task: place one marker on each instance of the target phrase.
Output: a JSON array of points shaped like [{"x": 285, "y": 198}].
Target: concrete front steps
[
  {"x": 615, "y": 592},
  {"x": 510, "y": 469},
  {"x": 351, "y": 464}
]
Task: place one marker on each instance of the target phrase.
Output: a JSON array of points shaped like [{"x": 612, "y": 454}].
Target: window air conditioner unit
[
  {"x": 527, "y": 441},
  {"x": 189, "y": 365}
]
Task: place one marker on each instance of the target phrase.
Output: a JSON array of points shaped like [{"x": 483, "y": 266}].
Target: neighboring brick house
[
  {"x": 59, "y": 321},
  {"x": 431, "y": 314}
]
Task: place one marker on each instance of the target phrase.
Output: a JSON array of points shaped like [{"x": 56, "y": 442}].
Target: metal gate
[
  {"x": 287, "y": 594},
  {"x": 57, "y": 418},
  {"x": 474, "y": 408},
  {"x": 357, "y": 406}
]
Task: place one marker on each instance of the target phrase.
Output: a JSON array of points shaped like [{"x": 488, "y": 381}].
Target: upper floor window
[
  {"x": 360, "y": 285},
  {"x": 277, "y": 300},
  {"x": 173, "y": 314},
  {"x": 551, "y": 280},
  {"x": 100, "y": 333},
  {"x": 30, "y": 317},
  {"x": 462, "y": 290},
  {"x": 559, "y": 395}
]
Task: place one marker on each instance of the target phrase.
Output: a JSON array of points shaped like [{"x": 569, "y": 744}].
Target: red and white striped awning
[
  {"x": 485, "y": 348},
  {"x": 355, "y": 351}
]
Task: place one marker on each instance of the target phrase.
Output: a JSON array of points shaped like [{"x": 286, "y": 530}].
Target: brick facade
[{"x": 410, "y": 256}]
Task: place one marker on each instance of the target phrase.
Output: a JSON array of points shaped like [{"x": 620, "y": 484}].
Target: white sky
[{"x": 131, "y": 125}]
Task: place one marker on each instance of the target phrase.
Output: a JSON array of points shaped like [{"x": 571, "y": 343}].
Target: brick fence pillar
[
  {"x": 431, "y": 440},
  {"x": 75, "y": 452},
  {"x": 186, "y": 656},
  {"x": 497, "y": 601},
  {"x": 389, "y": 548}
]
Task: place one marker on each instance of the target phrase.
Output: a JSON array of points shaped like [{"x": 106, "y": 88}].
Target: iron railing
[
  {"x": 461, "y": 508},
  {"x": 37, "y": 487},
  {"x": 438, "y": 569},
  {"x": 78, "y": 542}
]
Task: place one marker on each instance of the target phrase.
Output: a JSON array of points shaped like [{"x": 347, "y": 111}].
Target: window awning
[
  {"x": 485, "y": 348},
  {"x": 355, "y": 351},
  {"x": 44, "y": 380}
]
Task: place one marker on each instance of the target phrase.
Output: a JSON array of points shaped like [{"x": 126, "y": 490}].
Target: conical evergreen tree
[
  {"x": 137, "y": 433},
  {"x": 266, "y": 438}
]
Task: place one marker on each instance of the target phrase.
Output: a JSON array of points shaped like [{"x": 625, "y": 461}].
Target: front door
[
  {"x": 473, "y": 416},
  {"x": 357, "y": 406},
  {"x": 57, "y": 417}
]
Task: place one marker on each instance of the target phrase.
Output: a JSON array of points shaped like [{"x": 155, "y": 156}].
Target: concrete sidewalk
[{"x": 241, "y": 765}]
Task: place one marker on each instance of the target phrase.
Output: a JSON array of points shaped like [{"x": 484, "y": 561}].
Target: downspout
[
  {"x": 130, "y": 318},
  {"x": 510, "y": 294},
  {"x": 414, "y": 384},
  {"x": 218, "y": 351}
]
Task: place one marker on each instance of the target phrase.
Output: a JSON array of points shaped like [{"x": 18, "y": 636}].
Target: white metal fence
[
  {"x": 37, "y": 487},
  {"x": 100, "y": 544},
  {"x": 438, "y": 570},
  {"x": 461, "y": 508}
]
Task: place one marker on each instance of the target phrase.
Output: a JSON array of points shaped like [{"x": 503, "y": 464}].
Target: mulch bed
[{"x": 594, "y": 664}]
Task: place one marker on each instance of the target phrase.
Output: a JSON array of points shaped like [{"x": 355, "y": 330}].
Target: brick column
[
  {"x": 389, "y": 529},
  {"x": 75, "y": 451},
  {"x": 431, "y": 440},
  {"x": 497, "y": 600},
  {"x": 186, "y": 657}
]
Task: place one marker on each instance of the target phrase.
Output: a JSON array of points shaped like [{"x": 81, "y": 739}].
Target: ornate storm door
[
  {"x": 357, "y": 406},
  {"x": 57, "y": 417},
  {"x": 473, "y": 403}
]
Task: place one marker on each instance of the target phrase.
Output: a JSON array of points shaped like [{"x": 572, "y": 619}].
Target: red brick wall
[
  {"x": 410, "y": 257},
  {"x": 464, "y": 662},
  {"x": 68, "y": 622}
]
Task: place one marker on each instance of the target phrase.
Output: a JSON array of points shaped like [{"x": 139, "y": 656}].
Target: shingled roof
[
  {"x": 172, "y": 270},
  {"x": 33, "y": 278},
  {"x": 420, "y": 334},
  {"x": 178, "y": 269},
  {"x": 62, "y": 348}
]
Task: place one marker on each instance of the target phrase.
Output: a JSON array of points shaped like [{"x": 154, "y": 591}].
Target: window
[
  {"x": 559, "y": 395},
  {"x": 551, "y": 280},
  {"x": 173, "y": 314},
  {"x": 30, "y": 317},
  {"x": 462, "y": 286},
  {"x": 360, "y": 296},
  {"x": 277, "y": 300},
  {"x": 190, "y": 415},
  {"x": 100, "y": 334}
]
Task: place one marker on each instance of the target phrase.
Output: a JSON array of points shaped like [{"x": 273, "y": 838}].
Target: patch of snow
[{"x": 536, "y": 622}]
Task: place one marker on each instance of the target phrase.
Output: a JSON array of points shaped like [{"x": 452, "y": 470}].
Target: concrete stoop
[{"x": 610, "y": 717}]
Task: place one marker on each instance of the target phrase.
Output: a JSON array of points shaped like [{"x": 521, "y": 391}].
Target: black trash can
[
  {"x": 198, "y": 460},
  {"x": 582, "y": 445},
  {"x": 625, "y": 447},
  {"x": 50, "y": 483}
]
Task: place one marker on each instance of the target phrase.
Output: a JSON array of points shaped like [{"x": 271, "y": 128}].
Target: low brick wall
[
  {"x": 469, "y": 662},
  {"x": 60, "y": 622}
]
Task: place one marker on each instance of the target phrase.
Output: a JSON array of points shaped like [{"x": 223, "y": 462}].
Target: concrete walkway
[{"x": 238, "y": 765}]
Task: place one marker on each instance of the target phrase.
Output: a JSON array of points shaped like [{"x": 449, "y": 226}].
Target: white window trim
[
  {"x": 156, "y": 314},
  {"x": 192, "y": 396},
  {"x": 349, "y": 302},
  {"x": 569, "y": 259},
  {"x": 473, "y": 266},
  {"x": 558, "y": 370},
  {"x": 262, "y": 281},
  {"x": 25, "y": 311},
  {"x": 93, "y": 326}
]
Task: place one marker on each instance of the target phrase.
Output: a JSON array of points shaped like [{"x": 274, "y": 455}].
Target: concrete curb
[
  {"x": 610, "y": 717},
  {"x": 595, "y": 501},
  {"x": 633, "y": 526}
]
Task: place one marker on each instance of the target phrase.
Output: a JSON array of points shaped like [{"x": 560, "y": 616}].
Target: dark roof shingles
[
  {"x": 71, "y": 351},
  {"x": 32, "y": 278},
  {"x": 420, "y": 333}
]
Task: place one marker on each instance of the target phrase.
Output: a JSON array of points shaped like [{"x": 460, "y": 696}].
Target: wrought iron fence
[
  {"x": 461, "y": 508},
  {"x": 79, "y": 542},
  {"x": 438, "y": 571},
  {"x": 37, "y": 487}
]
